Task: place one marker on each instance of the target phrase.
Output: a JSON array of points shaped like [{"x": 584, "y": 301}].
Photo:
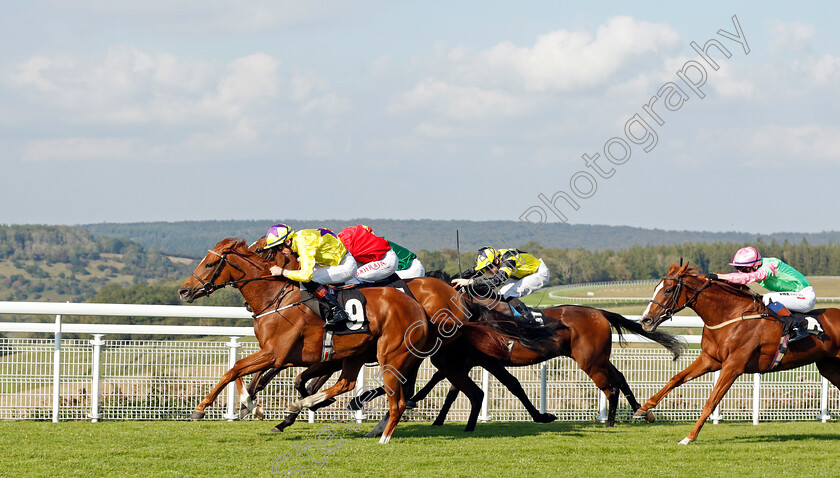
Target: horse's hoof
[
  {"x": 650, "y": 417},
  {"x": 686, "y": 441},
  {"x": 437, "y": 424},
  {"x": 196, "y": 415},
  {"x": 545, "y": 418},
  {"x": 276, "y": 430},
  {"x": 354, "y": 405},
  {"x": 646, "y": 414},
  {"x": 258, "y": 412},
  {"x": 243, "y": 412},
  {"x": 409, "y": 405}
]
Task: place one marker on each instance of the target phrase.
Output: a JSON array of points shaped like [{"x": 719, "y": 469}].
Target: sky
[{"x": 478, "y": 110}]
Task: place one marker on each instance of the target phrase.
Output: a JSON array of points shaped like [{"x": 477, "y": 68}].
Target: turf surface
[{"x": 418, "y": 449}]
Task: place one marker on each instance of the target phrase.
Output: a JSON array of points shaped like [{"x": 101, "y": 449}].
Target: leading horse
[
  {"x": 739, "y": 337},
  {"x": 290, "y": 334}
]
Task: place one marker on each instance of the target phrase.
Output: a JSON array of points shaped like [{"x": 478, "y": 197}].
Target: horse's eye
[
  {"x": 209, "y": 265},
  {"x": 668, "y": 290}
]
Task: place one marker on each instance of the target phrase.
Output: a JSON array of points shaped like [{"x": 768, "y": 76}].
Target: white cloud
[
  {"x": 793, "y": 35},
  {"x": 196, "y": 101},
  {"x": 460, "y": 102},
  {"x": 508, "y": 80},
  {"x": 567, "y": 60}
]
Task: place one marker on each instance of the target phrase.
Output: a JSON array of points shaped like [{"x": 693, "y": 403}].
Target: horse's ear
[{"x": 681, "y": 261}]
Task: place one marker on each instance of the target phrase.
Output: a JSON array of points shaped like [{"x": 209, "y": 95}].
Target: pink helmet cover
[{"x": 746, "y": 256}]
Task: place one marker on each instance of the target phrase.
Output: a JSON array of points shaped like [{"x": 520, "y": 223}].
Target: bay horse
[
  {"x": 445, "y": 308},
  {"x": 738, "y": 336}
]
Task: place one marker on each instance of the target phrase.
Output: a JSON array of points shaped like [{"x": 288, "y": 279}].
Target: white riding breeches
[
  {"x": 802, "y": 301},
  {"x": 377, "y": 270},
  {"x": 526, "y": 285},
  {"x": 416, "y": 269},
  {"x": 339, "y": 274}
]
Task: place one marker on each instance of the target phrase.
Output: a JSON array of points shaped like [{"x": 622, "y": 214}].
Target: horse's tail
[{"x": 621, "y": 323}]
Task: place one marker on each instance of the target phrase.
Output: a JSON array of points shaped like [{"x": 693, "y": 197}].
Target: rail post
[
  {"x": 824, "y": 415},
  {"x": 56, "y": 370},
  {"x": 716, "y": 413},
  {"x": 485, "y": 386},
  {"x": 360, "y": 388},
  {"x": 97, "y": 343},
  {"x": 756, "y": 396},
  {"x": 543, "y": 387},
  {"x": 230, "y": 415}
]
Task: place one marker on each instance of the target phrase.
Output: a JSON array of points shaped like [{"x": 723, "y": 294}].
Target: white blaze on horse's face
[{"x": 655, "y": 293}]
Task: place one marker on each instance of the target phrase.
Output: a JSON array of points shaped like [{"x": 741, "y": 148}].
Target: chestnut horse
[
  {"x": 294, "y": 335},
  {"x": 290, "y": 334},
  {"x": 444, "y": 306},
  {"x": 738, "y": 337}
]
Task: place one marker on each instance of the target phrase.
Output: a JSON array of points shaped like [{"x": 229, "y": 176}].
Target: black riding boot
[
  {"x": 336, "y": 314},
  {"x": 522, "y": 309},
  {"x": 798, "y": 330}
]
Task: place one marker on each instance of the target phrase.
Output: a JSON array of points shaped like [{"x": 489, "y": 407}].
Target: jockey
[
  {"x": 788, "y": 286},
  {"x": 376, "y": 260},
  {"x": 520, "y": 272},
  {"x": 323, "y": 260},
  {"x": 409, "y": 265}
]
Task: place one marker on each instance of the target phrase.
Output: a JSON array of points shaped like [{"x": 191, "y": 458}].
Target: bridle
[
  {"x": 671, "y": 306},
  {"x": 210, "y": 285}
]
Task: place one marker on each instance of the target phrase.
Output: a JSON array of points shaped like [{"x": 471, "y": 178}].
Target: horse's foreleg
[
  {"x": 244, "y": 366},
  {"x": 727, "y": 377},
  {"x": 701, "y": 366},
  {"x": 424, "y": 392},
  {"x": 346, "y": 382}
]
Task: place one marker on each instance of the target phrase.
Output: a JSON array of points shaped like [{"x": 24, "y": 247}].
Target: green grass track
[{"x": 418, "y": 449}]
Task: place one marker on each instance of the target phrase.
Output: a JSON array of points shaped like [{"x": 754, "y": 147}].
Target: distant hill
[{"x": 193, "y": 238}]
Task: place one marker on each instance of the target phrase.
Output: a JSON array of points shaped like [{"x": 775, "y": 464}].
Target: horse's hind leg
[
  {"x": 600, "y": 375},
  {"x": 451, "y": 396},
  {"x": 618, "y": 379}
]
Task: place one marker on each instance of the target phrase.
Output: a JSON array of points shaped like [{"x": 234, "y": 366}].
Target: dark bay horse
[
  {"x": 737, "y": 339},
  {"x": 446, "y": 309}
]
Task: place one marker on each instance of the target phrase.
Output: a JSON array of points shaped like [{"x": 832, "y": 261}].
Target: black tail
[
  {"x": 533, "y": 336},
  {"x": 670, "y": 342}
]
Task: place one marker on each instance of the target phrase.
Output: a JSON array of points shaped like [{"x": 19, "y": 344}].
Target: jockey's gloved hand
[{"x": 712, "y": 275}]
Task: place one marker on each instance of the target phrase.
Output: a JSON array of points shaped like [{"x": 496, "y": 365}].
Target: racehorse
[
  {"x": 445, "y": 307},
  {"x": 739, "y": 337},
  {"x": 290, "y": 334},
  {"x": 293, "y": 334}
]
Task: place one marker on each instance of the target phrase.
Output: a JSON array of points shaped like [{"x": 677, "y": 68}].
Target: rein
[{"x": 210, "y": 286}]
